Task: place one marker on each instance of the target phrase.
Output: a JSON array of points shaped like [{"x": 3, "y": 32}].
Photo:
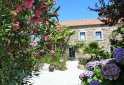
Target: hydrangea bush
[
  {"x": 113, "y": 72},
  {"x": 119, "y": 55},
  {"x": 106, "y": 72}
]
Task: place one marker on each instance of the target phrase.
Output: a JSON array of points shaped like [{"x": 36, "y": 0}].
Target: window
[
  {"x": 82, "y": 35},
  {"x": 98, "y": 35}
]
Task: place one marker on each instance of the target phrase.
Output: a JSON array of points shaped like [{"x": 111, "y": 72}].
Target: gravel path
[{"x": 67, "y": 77}]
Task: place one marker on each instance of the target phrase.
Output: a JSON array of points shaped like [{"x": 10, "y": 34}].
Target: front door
[{"x": 72, "y": 53}]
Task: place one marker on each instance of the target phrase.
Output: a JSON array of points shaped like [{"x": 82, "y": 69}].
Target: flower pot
[{"x": 51, "y": 68}]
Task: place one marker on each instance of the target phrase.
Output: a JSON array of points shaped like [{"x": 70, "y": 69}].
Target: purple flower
[
  {"x": 102, "y": 63},
  {"x": 92, "y": 64},
  {"x": 119, "y": 54},
  {"x": 85, "y": 75},
  {"x": 88, "y": 74},
  {"x": 110, "y": 71},
  {"x": 94, "y": 83},
  {"x": 106, "y": 61}
]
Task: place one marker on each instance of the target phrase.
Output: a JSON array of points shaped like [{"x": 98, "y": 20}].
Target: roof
[{"x": 81, "y": 22}]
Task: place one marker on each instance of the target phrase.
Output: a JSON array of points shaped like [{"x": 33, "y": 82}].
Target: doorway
[{"x": 72, "y": 53}]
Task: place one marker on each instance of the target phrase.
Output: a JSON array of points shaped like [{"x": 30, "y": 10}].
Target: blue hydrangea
[
  {"x": 92, "y": 64},
  {"x": 110, "y": 71},
  {"x": 88, "y": 74},
  {"x": 102, "y": 63},
  {"x": 106, "y": 61},
  {"x": 85, "y": 75},
  {"x": 94, "y": 83},
  {"x": 119, "y": 54}
]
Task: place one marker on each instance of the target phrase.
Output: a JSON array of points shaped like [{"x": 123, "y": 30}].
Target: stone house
[{"x": 89, "y": 30}]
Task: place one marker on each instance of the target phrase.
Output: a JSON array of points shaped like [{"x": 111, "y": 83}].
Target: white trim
[
  {"x": 85, "y": 35},
  {"x": 101, "y": 34}
]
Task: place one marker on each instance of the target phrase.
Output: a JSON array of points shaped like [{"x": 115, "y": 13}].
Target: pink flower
[
  {"x": 59, "y": 29},
  {"x": 47, "y": 37},
  {"x": 47, "y": 23},
  {"x": 42, "y": 5},
  {"x": 16, "y": 24},
  {"x": 35, "y": 19},
  {"x": 36, "y": 30},
  {"x": 33, "y": 44},
  {"x": 18, "y": 9},
  {"x": 38, "y": 13},
  {"x": 46, "y": 9},
  {"x": 15, "y": 29},
  {"x": 28, "y": 3}
]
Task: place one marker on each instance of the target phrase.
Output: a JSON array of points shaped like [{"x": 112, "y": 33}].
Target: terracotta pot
[{"x": 51, "y": 68}]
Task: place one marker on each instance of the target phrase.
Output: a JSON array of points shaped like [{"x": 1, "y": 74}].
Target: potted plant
[{"x": 51, "y": 68}]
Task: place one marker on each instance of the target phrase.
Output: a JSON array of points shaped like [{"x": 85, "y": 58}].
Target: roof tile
[{"x": 81, "y": 22}]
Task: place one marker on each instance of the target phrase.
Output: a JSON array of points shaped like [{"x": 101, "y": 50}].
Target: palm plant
[{"x": 93, "y": 49}]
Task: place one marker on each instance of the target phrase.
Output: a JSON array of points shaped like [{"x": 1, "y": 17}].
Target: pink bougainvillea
[
  {"x": 35, "y": 19},
  {"x": 47, "y": 23},
  {"x": 59, "y": 29},
  {"x": 15, "y": 29},
  {"x": 18, "y": 9},
  {"x": 47, "y": 37},
  {"x": 38, "y": 13},
  {"x": 16, "y": 26},
  {"x": 42, "y": 5},
  {"x": 36, "y": 30},
  {"x": 28, "y": 3},
  {"x": 33, "y": 44}
]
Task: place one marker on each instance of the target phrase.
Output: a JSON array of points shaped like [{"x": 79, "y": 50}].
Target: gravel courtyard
[{"x": 67, "y": 77}]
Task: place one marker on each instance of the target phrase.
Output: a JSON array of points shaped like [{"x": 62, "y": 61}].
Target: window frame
[
  {"x": 80, "y": 36},
  {"x": 101, "y": 34}
]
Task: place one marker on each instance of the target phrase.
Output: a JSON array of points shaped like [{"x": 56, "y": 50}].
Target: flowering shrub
[
  {"x": 110, "y": 71},
  {"x": 119, "y": 55},
  {"x": 92, "y": 64},
  {"x": 113, "y": 72},
  {"x": 94, "y": 83},
  {"x": 86, "y": 75},
  {"x": 57, "y": 45},
  {"x": 19, "y": 19},
  {"x": 106, "y": 72}
]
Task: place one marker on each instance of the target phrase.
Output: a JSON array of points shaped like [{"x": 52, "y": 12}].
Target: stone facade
[
  {"x": 90, "y": 35},
  {"x": 90, "y": 27}
]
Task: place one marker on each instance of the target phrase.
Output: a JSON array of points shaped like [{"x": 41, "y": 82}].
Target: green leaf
[
  {"x": 57, "y": 9},
  {"x": 89, "y": 80}
]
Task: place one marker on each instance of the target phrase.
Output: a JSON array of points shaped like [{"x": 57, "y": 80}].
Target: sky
[{"x": 76, "y": 9}]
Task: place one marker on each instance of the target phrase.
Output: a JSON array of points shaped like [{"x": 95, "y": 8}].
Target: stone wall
[{"x": 90, "y": 35}]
